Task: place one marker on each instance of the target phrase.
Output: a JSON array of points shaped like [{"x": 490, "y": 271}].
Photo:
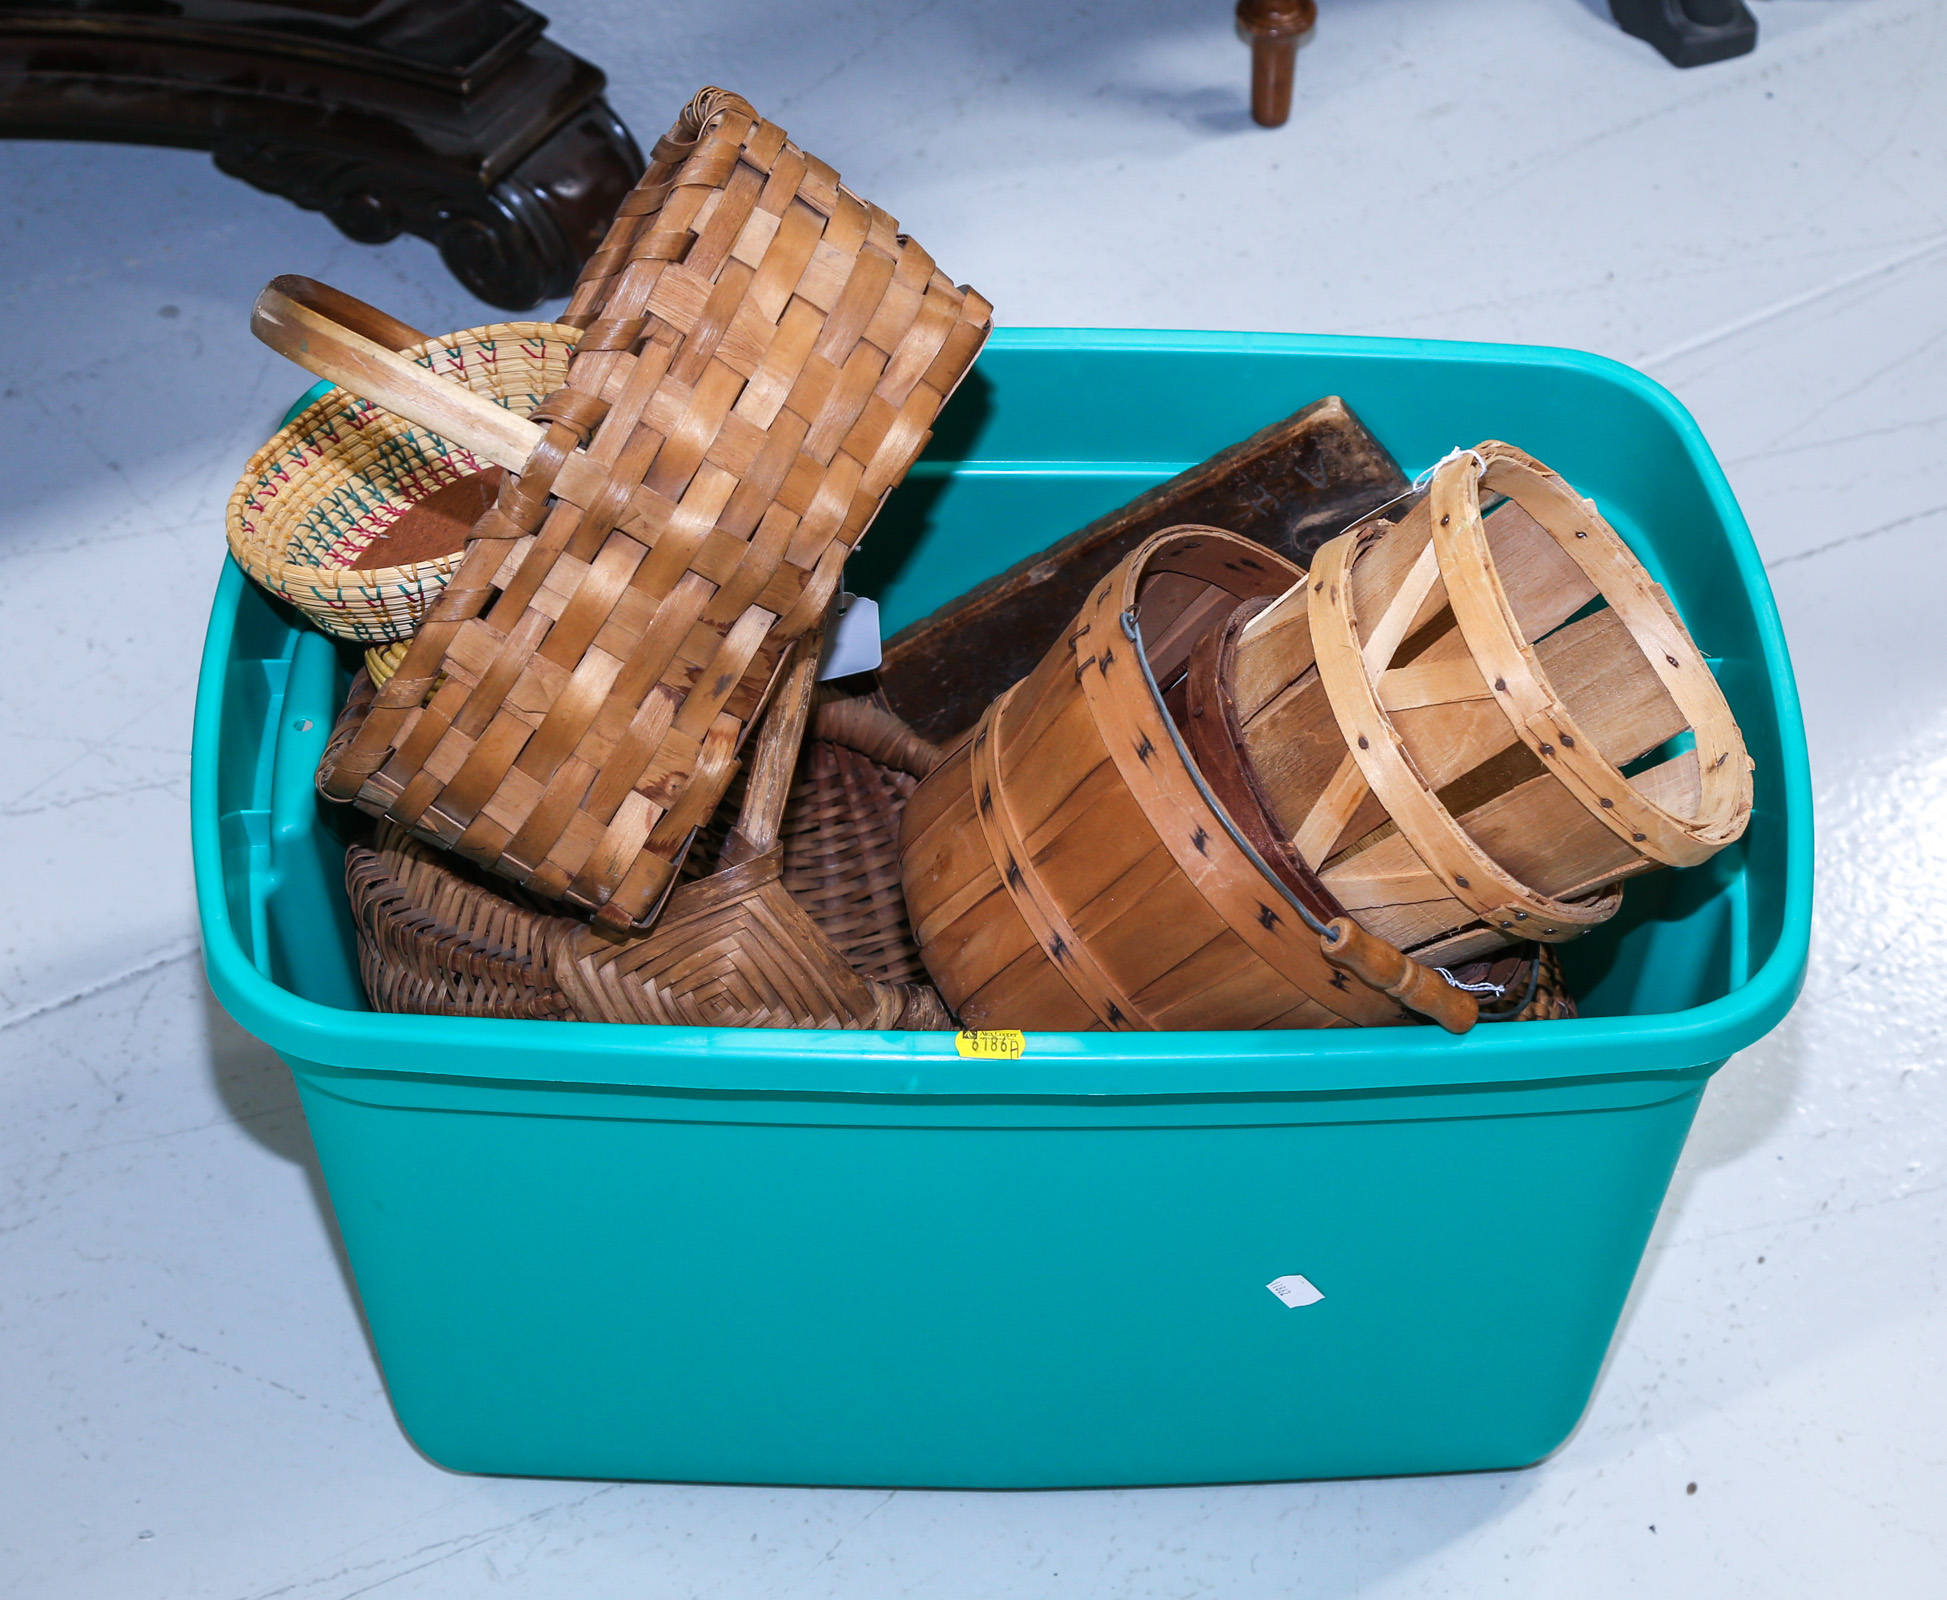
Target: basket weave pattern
[
  {"x": 438, "y": 936},
  {"x": 344, "y": 470},
  {"x": 734, "y": 950},
  {"x": 433, "y": 939},
  {"x": 763, "y": 355},
  {"x": 841, "y": 835}
]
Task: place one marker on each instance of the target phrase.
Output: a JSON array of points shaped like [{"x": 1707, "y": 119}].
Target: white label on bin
[
  {"x": 1295, "y": 1290},
  {"x": 852, "y": 644}
]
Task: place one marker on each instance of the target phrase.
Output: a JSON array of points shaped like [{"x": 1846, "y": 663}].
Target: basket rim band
[
  {"x": 1448, "y": 850},
  {"x": 1539, "y": 715}
]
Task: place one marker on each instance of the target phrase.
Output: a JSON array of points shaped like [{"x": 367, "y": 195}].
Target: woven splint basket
[
  {"x": 740, "y": 946},
  {"x": 841, "y": 834},
  {"x": 341, "y": 474},
  {"x": 763, "y": 355},
  {"x": 439, "y": 938}
]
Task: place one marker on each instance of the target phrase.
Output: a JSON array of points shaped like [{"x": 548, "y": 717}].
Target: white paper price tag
[
  {"x": 852, "y": 644},
  {"x": 1295, "y": 1290}
]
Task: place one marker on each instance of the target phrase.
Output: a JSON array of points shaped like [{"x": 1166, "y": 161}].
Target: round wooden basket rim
[
  {"x": 277, "y": 571},
  {"x": 1486, "y": 620},
  {"x": 1498, "y": 898}
]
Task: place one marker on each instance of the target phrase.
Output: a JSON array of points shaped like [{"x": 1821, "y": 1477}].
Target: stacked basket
[
  {"x": 1239, "y": 795},
  {"x": 591, "y": 559},
  {"x": 757, "y": 358}
]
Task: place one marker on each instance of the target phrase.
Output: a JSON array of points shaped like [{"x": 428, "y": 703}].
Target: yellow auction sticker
[{"x": 990, "y": 1044}]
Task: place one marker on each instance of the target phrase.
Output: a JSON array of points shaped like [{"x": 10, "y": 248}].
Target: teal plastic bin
[{"x": 855, "y": 1258}]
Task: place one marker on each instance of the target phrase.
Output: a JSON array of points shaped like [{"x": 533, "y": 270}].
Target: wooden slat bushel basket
[
  {"x": 1067, "y": 867},
  {"x": 1474, "y": 728}
]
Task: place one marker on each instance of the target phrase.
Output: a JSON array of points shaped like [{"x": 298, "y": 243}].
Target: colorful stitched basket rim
[{"x": 344, "y": 469}]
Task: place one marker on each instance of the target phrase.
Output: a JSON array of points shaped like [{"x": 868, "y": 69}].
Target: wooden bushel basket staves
[
  {"x": 1067, "y": 868},
  {"x": 1448, "y": 720}
]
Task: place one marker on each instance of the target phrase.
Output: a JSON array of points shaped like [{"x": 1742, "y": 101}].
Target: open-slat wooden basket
[
  {"x": 1067, "y": 867},
  {"x": 1473, "y": 729},
  {"x": 761, "y": 359}
]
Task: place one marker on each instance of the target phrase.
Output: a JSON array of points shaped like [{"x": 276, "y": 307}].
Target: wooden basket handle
[
  {"x": 862, "y": 724},
  {"x": 774, "y": 760},
  {"x": 1419, "y": 988},
  {"x": 333, "y": 335}
]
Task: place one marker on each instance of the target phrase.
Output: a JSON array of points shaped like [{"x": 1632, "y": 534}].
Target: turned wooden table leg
[{"x": 1275, "y": 29}]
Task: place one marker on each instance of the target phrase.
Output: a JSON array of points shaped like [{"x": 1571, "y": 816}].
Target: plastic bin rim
[{"x": 1057, "y": 1066}]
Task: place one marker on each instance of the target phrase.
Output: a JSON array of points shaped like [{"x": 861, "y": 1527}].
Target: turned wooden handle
[
  {"x": 1373, "y": 961},
  {"x": 335, "y": 336}
]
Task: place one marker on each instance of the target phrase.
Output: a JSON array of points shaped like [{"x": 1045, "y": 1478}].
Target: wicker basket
[
  {"x": 1066, "y": 866},
  {"x": 439, "y": 935},
  {"x": 342, "y": 472},
  {"x": 841, "y": 834},
  {"x": 764, "y": 355},
  {"x": 1450, "y": 721}
]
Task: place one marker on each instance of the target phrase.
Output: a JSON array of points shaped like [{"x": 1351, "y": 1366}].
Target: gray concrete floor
[{"x": 188, "y": 1406}]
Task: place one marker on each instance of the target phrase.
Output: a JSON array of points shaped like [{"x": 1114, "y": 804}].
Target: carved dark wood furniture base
[{"x": 450, "y": 119}]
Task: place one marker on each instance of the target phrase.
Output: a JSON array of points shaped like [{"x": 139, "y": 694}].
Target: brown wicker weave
[
  {"x": 351, "y": 716},
  {"x": 440, "y": 936},
  {"x": 841, "y": 834},
  {"x": 735, "y": 949},
  {"x": 1550, "y": 1002},
  {"x": 763, "y": 356}
]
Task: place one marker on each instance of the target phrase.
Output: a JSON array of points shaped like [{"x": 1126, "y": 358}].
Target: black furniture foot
[
  {"x": 450, "y": 119},
  {"x": 1690, "y": 33}
]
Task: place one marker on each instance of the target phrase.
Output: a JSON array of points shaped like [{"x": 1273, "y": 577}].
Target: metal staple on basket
[{"x": 763, "y": 355}]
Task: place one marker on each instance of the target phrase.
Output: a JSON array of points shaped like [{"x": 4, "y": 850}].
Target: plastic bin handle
[{"x": 331, "y": 334}]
